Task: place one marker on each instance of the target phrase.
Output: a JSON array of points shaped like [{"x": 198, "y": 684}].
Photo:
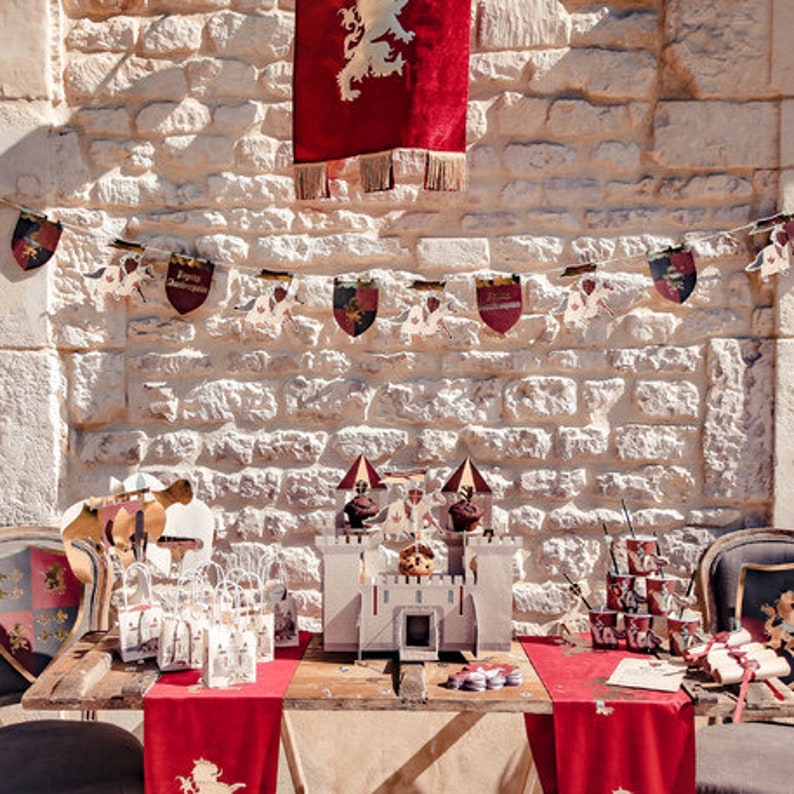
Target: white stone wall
[{"x": 596, "y": 132}]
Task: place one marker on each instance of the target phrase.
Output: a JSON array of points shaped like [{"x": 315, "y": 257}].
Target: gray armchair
[
  {"x": 43, "y": 608},
  {"x": 744, "y": 758}
]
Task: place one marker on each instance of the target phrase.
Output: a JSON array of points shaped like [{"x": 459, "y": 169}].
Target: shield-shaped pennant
[
  {"x": 35, "y": 239},
  {"x": 188, "y": 282},
  {"x": 39, "y": 606},
  {"x": 776, "y": 257},
  {"x": 674, "y": 273},
  {"x": 355, "y": 304},
  {"x": 427, "y": 318},
  {"x": 499, "y": 301}
]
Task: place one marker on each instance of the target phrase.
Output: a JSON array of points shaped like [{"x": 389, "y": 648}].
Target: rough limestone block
[
  {"x": 31, "y": 437},
  {"x": 716, "y": 134},
  {"x": 96, "y": 388},
  {"x": 782, "y": 53},
  {"x": 718, "y": 48},
  {"x": 506, "y": 25},
  {"x": 602, "y": 75},
  {"x": 787, "y": 133},
  {"x": 784, "y": 433},
  {"x": 738, "y": 423},
  {"x": 455, "y": 253},
  {"x": 24, "y": 49}
]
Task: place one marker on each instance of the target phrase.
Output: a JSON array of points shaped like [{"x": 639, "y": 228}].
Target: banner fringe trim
[
  {"x": 445, "y": 171},
  {"x": 311, "y": 181},
  {"x": 377, "y": 171}
]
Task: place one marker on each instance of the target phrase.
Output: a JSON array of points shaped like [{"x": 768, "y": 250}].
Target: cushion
[
  {"x": 726, "y": 570},
  {"x": 69, "y": 757},
  {"x": 746, "y": 758}
]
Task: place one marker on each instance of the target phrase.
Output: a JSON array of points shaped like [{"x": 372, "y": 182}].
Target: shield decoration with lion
[
  {"x": 188, "y": 282},
  {"x": 674, "y": 274},
  {"x": 34, "y": 240},
  {"x": 355, "y": 305},
  {"x": 499, "y": 302},
  {"x": 40, "y": 602}
]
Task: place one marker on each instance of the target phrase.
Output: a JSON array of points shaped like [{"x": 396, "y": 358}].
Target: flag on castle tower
[{"x": 371, "y": 76}]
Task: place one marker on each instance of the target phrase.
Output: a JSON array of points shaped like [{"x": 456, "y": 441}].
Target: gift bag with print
[
  {"x": 140, "y": 619},
  {"x": 181, "y": 644},
  {"x": 229, "y": 645},
  {"x": 258, "y": 611}
]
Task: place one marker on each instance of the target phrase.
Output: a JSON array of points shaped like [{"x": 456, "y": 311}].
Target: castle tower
[{"x": 343, "y": 560}]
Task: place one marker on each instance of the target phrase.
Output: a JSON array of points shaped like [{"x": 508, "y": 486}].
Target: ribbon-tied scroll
[
  {"x": 371, "y": 76},
  {"x": 188, "y": 282}
]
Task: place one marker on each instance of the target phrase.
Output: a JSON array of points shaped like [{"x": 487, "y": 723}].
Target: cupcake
[
  {"x": 464, "y": 513},
  {"x": 360, "y": 507}
]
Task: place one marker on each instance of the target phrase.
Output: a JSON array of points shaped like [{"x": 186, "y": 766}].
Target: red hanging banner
[{"x": 371, "y": 76}]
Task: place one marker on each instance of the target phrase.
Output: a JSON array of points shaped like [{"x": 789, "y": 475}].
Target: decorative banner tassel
[
  {"x": 445, "y": 171},
  {"x": 311, "y": 181},
  {"x": 377, "y": 171}
]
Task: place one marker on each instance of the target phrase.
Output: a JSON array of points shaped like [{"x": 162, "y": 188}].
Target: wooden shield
[
  {"x": 355, "y": 305},
  {"x": 674, "y": 274},
  {"x": 35, "y": 240},
  {"x": 188, "y": 282},
  {"x": 499, "y": 302}
]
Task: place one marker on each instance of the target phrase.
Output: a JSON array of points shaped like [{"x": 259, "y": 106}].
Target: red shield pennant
[
  {"x": 188, "y": 282},
  {"x": 39, "y": 606},
  {"x": 499, "y": 302},
  {"x": 34, "y": 240},
  {"x": 372, "y": 77},
  {"x": 674, "y": 274},
  {"x": 355, "y": 305}
]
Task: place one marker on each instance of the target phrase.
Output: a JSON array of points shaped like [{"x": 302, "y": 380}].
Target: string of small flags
[{"x": 355, "y": 300}]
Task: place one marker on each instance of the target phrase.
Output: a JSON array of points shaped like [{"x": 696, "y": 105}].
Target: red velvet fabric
[
  {"x": 607, "y": 739},
  {"x": 197, "y": 737},
  {"x": 423, "y": 105}
]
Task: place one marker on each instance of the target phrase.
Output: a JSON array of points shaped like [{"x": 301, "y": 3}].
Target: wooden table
[{"x": 90, "y": 677}]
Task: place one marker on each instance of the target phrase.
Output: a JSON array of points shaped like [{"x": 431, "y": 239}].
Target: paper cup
[
  {"x": 642, "y": 556},
  {"x": 682, "y": 632},
  {"x": 640, "y": 638},
  {"x": 659, "y": 592},
  {"x": 621, "y": 593},
  {"x": 604, "y": 628}
]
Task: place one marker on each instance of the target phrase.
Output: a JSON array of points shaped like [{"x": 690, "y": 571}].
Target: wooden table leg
[{"x": 291, "y": 752}]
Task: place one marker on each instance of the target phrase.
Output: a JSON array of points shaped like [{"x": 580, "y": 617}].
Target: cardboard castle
[{"x": 370, "y": 607}]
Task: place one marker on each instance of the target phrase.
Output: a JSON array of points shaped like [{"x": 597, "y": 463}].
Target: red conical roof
[
  {"x": 362, "y": 469},
  {"x": 467, "y": 474}
]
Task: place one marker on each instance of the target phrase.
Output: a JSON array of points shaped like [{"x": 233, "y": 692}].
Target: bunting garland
[{"x": 188, "y": 281}]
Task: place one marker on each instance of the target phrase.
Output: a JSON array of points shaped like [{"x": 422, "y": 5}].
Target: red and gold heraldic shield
[
  {"x": 40, "y": 602},
  {"x": 499, "y": 302}
]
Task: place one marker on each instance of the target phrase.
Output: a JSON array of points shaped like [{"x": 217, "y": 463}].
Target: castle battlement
[
  {"x": 506, "y": 544},
  {"x": 426, "y": 582}
]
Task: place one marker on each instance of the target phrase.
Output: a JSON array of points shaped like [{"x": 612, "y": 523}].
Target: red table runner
[
  {"x": 198, "y": 739},
  {"x": 603, "y": 738}
]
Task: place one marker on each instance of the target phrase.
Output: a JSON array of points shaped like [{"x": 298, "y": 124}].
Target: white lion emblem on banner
[
  {"x": 367, "y": 21},
  {"x": 205, "y": 780}
]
